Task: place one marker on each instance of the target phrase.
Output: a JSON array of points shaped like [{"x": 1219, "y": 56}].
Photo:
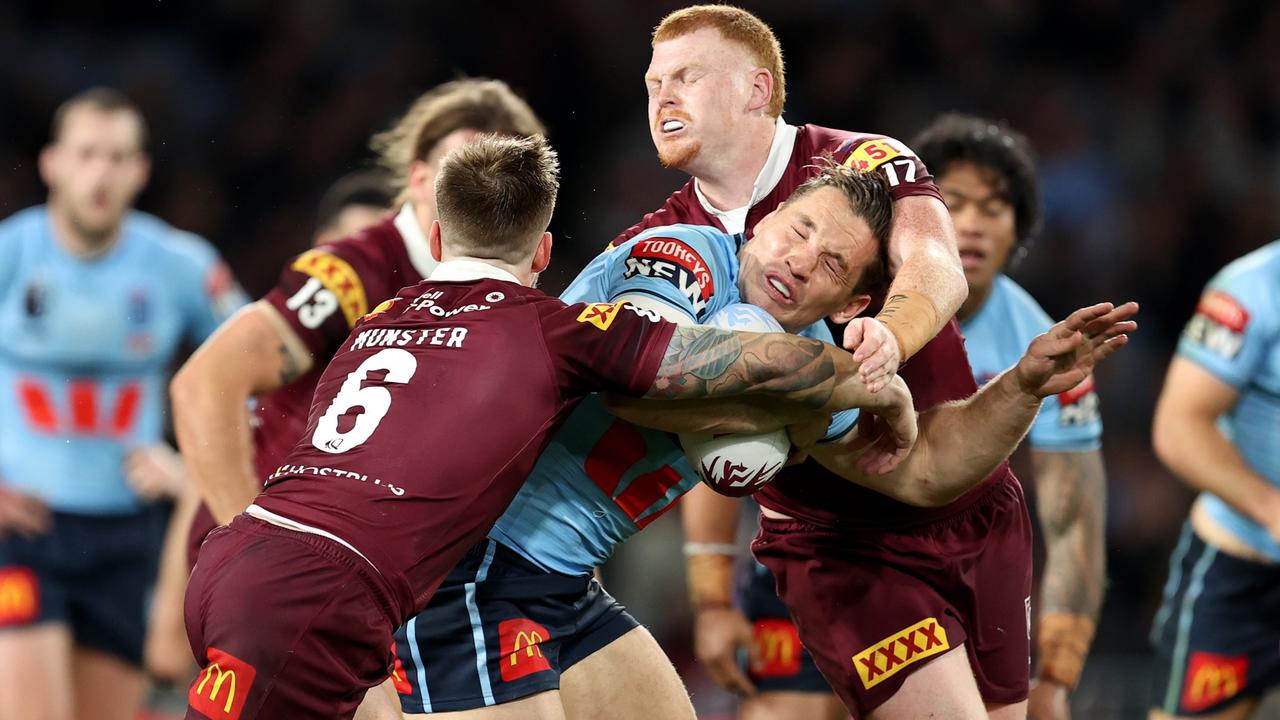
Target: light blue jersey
[
  {"x": 1235, "y": 334},
  {"x": 85, "y": 345},
  {"x": 997, "y": 335},
  {"x": 601, "y": 480}
]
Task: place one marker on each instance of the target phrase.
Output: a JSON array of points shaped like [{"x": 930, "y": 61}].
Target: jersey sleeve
[
  {"x": 321, "y": 295},
  {"x": 606, "y": 347},
  {"x": 1233, "y": 327},
  {"x": 678, "y": 265},
  {"x": 211, "y": 292},
  {"x": 906, "y": 173}
]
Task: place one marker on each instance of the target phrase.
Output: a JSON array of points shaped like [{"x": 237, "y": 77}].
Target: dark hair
[
  {"x": 995, "y": 147},
  {"x": 362, "y": 187},
  {"x": 869, "y": 198},
  {"x": 479, "y": 104},
  {"x": 105, "y": 99},
  {"x": 495, "y": 195}
]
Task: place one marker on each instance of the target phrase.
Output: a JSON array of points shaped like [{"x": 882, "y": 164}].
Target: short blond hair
[
  {"x": 736, "y": 25},
  {"x": 495, "y": 196},
  {"x": 479, "y": 104}
]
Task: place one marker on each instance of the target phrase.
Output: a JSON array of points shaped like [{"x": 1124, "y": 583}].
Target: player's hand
[
  {"x": 717, "y": 635},
  {"x": 1048, "y": 701},
  {"x": 876, "y": 348},
  {"x": 23, "y": 514},
  {"x": 155, "y": 471},
  {"x": 805, "y": 435},
  {"x": 885, "y": 435},
  {"x": 1065, "y": 355}
]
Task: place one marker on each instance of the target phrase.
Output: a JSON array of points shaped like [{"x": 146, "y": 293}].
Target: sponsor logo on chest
[{"x": 675, "y": 262}]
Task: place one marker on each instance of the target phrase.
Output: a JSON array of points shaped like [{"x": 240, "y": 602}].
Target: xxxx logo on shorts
[
  {"x": 339, "y": 278},
  {"x": 520, "y": 641},
  {"x": 777, "y": 648},
  {"x": 19, "y": 596},
  {"x": 600, "y": 314},
  {"x": 884, "y": 659},
  {"x": 1212, "y": 678},
  {"x": 221, "y": 688}
]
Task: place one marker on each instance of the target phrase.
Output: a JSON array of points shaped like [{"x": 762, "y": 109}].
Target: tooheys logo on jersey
[
  {"x": 1079, "y": 404},
  {"x": 671, "y": 260},
  {"x": 884, "y": 659},
  {"x": 1218, "y": 324}
]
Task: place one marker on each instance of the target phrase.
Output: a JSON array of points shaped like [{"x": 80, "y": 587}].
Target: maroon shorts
[
  {"x": 875, "y": 605},
  {"x": 284, "y": 625}
]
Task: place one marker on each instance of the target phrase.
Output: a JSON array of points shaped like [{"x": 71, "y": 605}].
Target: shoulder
[
  {"x": 180, "y": 247},
  {"x": 1019, "y": 304},
  {"x": 840, "y": 142},
  {"x": 1249, "y": 285},
  {"x": 21, "y": 224},
  {"x": 681, "y": 206}
]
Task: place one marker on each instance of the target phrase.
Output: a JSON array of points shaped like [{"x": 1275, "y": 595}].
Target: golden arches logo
[
  {"x": 527, "y": 641},
  {"x": 776, "y": 646},
  {"x": 19, "y": 596},
  {"x": 223, "y": 677}
]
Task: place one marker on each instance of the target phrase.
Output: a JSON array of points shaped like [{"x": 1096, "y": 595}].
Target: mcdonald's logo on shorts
[
  {"x": 777, "y": 648},
  {"x": 221, "y": 688},
  {"x": 19, "y": 596},
  {"x": 1212, "y": 678},
  {"x": 398, "y": 677},
  {"x": 520, "y": 642},
  {"x": 884, "y": 659}
]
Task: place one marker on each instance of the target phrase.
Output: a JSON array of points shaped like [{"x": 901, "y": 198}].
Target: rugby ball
[{"x": 738, "y": 465}]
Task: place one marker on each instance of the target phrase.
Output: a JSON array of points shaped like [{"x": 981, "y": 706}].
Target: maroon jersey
[
  {"x": 321, "y": 294},
  {"x": 429, "y": 419},
  {"x": 938, "y": 373},
  {"x": 907, "y": 177}
]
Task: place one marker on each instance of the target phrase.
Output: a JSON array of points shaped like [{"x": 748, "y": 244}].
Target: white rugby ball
[{"x": 733, "y": 464}]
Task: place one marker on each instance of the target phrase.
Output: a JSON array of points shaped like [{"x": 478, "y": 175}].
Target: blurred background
[{"x": 1157, "y": 126}]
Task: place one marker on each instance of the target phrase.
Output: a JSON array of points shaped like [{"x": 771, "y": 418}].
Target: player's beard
[
  {"x": 96, "y": 235},
  {"x": 679, "y": 156}
]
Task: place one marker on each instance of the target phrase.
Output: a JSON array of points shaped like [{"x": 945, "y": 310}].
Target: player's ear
[
  {"x": 433, "y": 240},
  {"x": 48, "y": 165},
  {"x": 851, "y": 310},
  {"x": 761, "y": 90},
  {"x": 542, "y": 256}
]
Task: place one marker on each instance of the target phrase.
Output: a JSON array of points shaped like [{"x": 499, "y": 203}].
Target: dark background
[{"x": 1156, "y": 125}]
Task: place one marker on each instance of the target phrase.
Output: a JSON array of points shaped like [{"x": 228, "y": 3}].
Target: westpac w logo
[{"x": 221, "y": 688}]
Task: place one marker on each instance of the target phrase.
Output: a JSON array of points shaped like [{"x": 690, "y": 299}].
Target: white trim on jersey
[
  {"x": 784, "y": 142},
  {"x": 290, "y": 524},
  {"x": 415, "y": 241}
]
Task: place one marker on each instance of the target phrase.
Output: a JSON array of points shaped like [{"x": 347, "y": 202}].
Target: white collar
[
  {"x": 463, "y": 270},
  {"x": 415, "y": 241},
  {"x": 784, "y": 141}
]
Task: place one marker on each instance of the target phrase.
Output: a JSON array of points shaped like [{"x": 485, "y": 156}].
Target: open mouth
[
  {"x": 778, "y": 288},
  {"x": 671, "y": 125},
  {"x": 970, "y": 259}
]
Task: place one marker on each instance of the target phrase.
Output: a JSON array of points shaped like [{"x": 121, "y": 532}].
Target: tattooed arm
[
  {"x": 253, "y": 353},
  {"x": 704, "y": 362}
]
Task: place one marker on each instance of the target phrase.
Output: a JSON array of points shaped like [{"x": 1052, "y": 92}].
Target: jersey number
[
  {"x": 313, "y": 303},
  {"x": 374, "y": 401},
  {"x": 908, "y": 169},
  {"x": 620, "y": 448}
]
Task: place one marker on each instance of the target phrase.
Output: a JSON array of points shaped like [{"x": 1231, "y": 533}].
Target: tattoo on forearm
[
  {"x": 891, "y": 305},
  {"x": 1071, "y": 503},
  {"x": 704, "y": 362},
  {"x": 290, "y": 369}
]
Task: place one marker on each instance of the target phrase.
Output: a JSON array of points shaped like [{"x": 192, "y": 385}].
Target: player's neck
[
  {"x": 730, "y": 177},
  {"x": 525, "y": 274},
  {"x": 75, "y": 241},
  {"x": 972, "y": 304}
]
